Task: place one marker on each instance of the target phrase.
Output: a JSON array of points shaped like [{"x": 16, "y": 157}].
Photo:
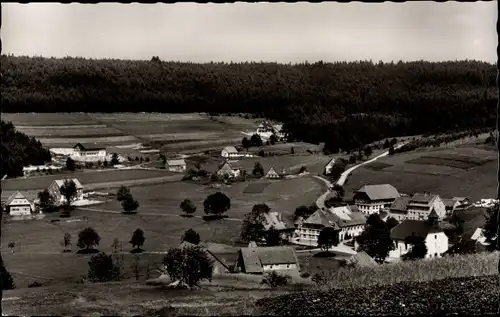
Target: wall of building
[
  {"x": 371, "y": 207},
  {"x": 279, "y": 267},
  {"x": 179, "y": 168},
  {"x": 19, "y": 210},
  {"x": 436, "y": 243}
]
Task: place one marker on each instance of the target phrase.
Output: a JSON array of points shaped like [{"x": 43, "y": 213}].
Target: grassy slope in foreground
[{"x": 450, "y": 296}]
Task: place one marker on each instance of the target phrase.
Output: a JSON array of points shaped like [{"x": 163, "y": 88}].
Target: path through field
[
  {"x": 147, "y": 213},
  {"x": 320, "y": 202}
]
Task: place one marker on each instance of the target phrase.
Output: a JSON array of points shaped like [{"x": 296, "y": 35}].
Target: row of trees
[{"x": 342, "y": 104}]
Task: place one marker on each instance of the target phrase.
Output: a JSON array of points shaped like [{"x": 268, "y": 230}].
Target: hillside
[
  {"x": 18, "y": 150},
  {"x": 342, "y": 104}
]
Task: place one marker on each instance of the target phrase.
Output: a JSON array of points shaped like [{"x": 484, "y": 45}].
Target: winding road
[{"x": 320, "y": 202}]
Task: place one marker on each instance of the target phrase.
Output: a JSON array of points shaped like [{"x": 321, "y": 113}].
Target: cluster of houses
[
  {"x": 418, "y": 215},
  {"x": 19, "y": 204}
]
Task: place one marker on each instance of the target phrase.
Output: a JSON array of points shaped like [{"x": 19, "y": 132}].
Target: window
[
  {"x": 288, "y": 266},
  {"x": 435, "y": 254},
  {"x": 435, "y": 236}
]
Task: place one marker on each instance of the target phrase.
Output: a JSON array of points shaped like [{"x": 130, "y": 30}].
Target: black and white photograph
[{"x": 258, "y": 159}]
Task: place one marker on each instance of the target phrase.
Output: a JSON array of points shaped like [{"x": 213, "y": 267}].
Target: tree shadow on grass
[
  {"x": 129, "y": 212},
  {"x": 324, "y": 254},
  {"x": 87, "y": 251},
  {"x": 186, "y": 216},
  {"x": 137, "y": 250},
  {"x": 214, "y": 217}
]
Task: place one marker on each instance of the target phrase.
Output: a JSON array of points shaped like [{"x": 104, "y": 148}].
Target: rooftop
[
  {"x": 379, "y": 192},
  {"x": 400, "y": 204},
  {"x": 255, "y": 257},
  {"x": 419, "y": 228},
  {"x": 90, "y": 146},
  {"x": 176, "y": 162},
  {"x": 231, "y": 149}
]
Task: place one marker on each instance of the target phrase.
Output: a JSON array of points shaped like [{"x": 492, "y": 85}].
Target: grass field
[
  {"x": 178, "y": 132},
  {"x": 434, "y": 176},
  {"x": 89, "y": 177},
  {"x": 38, "y": 251}
]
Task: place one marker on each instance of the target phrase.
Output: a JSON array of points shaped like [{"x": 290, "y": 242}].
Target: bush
[
  {"x": 191, "y": 236},
  {"x": 274, "y": 279},
  {"x": 103, "y": 269}
]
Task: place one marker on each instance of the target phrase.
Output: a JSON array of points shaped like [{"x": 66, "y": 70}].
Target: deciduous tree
[{"x": 216, "y": 204}]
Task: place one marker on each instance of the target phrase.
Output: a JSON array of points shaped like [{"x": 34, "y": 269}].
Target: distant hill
[
  {"x": 18, "y": 150},
  {"x": 342, "y": 104}
]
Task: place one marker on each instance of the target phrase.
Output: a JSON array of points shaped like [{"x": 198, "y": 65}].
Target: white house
[
  {"x": 346, "y": 219},
  {"x": 19, "y": 205},
  {"x": 370, "y": 199},
  {"x": 178, "y": 166},
  {"x": 55, "y": 190},
  {"x": 329, "y": 166},
  {"x": 436, "y": 240},
  {"x": 227, "y": 171},
  {"x": 260, "y": 260},
  {"x": 89, "y": 150},
  {"x": 229, "y": 151},
  {"x": 272, "y": 174}
]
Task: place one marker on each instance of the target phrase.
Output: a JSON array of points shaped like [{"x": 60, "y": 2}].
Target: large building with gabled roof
[
  {"x": 347, "y": 220},
  {"x": 55, "y": 190},
  {"x": 429, "y": 229},
  {"x": 370, "y": 199},
  {"x": 89, "y": 150},
  {"x": 18, "y": 205},
  {"x": 259, "y": 260}
]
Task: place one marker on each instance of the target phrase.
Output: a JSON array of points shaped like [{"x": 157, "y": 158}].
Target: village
[{"x": 407, "y": 215}]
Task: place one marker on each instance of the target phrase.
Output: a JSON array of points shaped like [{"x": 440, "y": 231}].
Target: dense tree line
[
  {"x": 18, "y": 150},
  {"x": 342, "y": 104}
]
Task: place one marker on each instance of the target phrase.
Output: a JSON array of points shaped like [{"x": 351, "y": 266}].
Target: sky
[{"x": 274, "y": 32}]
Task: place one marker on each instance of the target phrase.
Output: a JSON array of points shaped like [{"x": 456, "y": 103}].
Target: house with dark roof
[
  {"x": 347, "y": 220},
  {"x": 429, "y": 229},
  {"x": 371, "y": 198},
  {"x": 420, "y": 206},
  {"x": 18, "y": 205},
  {"x": 55, "y": 190},
  {"x": 260, "y": 260},
  {"x": 229, "y": 151},
  {"x": 361, "y": 259},
  {"x": 283, "y": 224},
  {"x": 89, "y": 150}
]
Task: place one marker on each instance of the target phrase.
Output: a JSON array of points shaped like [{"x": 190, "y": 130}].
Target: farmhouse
[
  {"x": 398, "y": 209},
  {"x": 462, "y": 201},
  {"x": 55, "y": 190},
  {"x": 19, "y": 205},
  {"x": 89, "y": 150},
  {"x": 276, "y": 221},
  {"x": 329, "y": 166},
  {"x": 229, "y": 151},
  {"x": 266, "y": 129},
  {"x": 346, "y": 219},
  {"x": 420, "y": 206},
  {"x": 271, "y": 174},
  {"x": 259, "y": 260},
  {"x": 436, "y": 240},
  {"x": 371, "y": 198},
  {"x": 178, "y": 166},
  {"x": 227, "y": 171},
  {"x": 479, "y": 239}
]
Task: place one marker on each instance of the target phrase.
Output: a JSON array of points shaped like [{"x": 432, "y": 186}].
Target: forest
[
  {"x": 344, "y": 104},
  {"x": 18, "y": 150}
]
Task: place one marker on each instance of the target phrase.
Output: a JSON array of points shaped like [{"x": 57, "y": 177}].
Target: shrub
[
  {"x": 191, "y": 236},
  {"x": 137, "y": 239},
  {"x": 305, "y": 275},
  {"x": 103, "y": 269},
  {"x": 274, "y": 279},
  {"x": 88, "y": 238}
]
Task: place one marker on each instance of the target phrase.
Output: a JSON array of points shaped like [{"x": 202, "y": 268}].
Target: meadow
[
  {"x": 171, "y": 132},
  {"x": 38, "y": 253},
  {"x": 85, "y": 178},
  {"x": 466, "y": 171}
]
